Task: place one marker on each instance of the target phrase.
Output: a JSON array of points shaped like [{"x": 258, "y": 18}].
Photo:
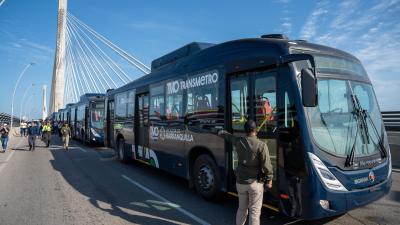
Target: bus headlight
[
  {"x": 326, "y": 176},
  {"x": 94, "y": 132}
]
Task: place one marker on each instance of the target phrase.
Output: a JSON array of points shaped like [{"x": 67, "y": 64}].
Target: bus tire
[
  {"x": 206, "y": 177},
  {"x": 121, "y": 151},
  {"x": 83, "y": 137}
]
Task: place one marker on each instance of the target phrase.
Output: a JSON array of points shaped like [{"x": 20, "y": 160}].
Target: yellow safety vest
[{"x": 46, "y": 128}]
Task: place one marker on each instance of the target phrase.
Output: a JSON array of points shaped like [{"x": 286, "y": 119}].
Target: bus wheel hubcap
[{"x": 206, "y": 177}]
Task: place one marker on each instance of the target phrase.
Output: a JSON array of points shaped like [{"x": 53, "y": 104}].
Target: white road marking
[
  {"x": 10, "y": 155},
  {"x": 82, "y": 149},
  {"x": 293, "y": 222},
  {"x": 183, "y": 211},
  {"x": 5, "y": 162}
]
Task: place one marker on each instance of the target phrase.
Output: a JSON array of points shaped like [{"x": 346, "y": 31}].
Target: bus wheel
[
  {"x": 206, "y": 177},
  {"x": 121, "y": 151},
  {"x": 83, "y": 137}
]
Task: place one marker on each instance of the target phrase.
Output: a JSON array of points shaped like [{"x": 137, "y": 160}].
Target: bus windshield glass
[
  {"x": 331, "y": 64},
  {"x": 334, "y": 123},
  {"x": 97, "y": 116}
]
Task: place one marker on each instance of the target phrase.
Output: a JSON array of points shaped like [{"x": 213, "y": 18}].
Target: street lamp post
[
  {"x": 22, "y": 101},
  {"x": 15, "y": 88}
]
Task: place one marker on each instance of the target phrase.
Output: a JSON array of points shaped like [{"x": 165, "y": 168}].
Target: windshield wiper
[
  {"x": 380, "y": 137},
  {"x": 361, "y": 116}
]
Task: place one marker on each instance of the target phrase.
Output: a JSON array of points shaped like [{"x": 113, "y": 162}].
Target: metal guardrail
[{"x": 391, "y": 119}]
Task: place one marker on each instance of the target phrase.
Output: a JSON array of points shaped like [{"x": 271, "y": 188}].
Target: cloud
[
  {"x": 156, "y": 26},
  {"x": 310, "y": 27},
  {"x": 370, "y": 31},
  {"x": 26, "y": 50},
  {"x": 17, "y": 45}
]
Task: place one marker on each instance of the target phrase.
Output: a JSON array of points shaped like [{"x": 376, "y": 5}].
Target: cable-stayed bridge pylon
[{"x": 86, "y": 62}]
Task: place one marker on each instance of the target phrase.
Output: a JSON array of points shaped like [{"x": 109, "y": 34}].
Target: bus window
[
  {"x": 157, "y": 106},
  {"x": 120, "y": 105},
  {"x": 265, "y": 103},
  {"x": 131, "y": 103},
  {"x": 97, "y": 116},
  {"x": 145, "y": 111},
  {"x": 202, "y": 99},
  {"x": 174, "y": 103},
  {"x": 239, "y": 103}
]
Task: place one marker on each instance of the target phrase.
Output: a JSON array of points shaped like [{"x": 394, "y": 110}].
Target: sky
[{"x": 368, "y": 29}]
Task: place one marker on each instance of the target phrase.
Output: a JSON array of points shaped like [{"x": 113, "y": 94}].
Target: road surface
[{"x": 86, "y": 185}]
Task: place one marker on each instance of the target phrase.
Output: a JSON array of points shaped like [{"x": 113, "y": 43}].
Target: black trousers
[
  {"x": 32, "y": 141},
  {"x": 47, "y": 138}
]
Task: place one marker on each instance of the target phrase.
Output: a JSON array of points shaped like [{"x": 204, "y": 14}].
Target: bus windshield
[
  {"x": 332, "y": 64},
  {"x": 97, "y": 116},
  {"x": 334, "y": 124}
]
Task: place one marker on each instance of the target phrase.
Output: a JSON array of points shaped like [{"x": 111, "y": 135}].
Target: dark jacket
[
  {"x": 253, "y": 158},
  {"x": 4, "y": 132},
  {"x": 33, "y": 131},
  {"x": 65, "y": 131}
]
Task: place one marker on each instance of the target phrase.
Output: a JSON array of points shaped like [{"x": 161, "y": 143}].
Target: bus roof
[{"x": 197, "y": 56}]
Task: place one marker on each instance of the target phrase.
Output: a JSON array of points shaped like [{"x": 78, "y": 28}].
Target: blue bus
[
  {"x": 314, "y": 106},
  {"x": 87, "y": 118}
]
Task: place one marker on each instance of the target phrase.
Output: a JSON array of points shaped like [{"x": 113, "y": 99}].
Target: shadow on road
[
  {"x": 99, "y": 179},
  {"x": 107, "y": 191}
]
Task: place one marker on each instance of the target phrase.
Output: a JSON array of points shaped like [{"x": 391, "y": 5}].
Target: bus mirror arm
[
  {"x": 309, "y": 88},
  {"x": 283, "y": 60},
  {"x": 308, "y": 77}
]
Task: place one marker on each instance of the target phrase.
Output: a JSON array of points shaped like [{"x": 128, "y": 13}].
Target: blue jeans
[{"x": 4, "y": 142}]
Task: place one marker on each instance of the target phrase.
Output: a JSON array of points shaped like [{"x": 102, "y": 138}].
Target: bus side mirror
[{"x": 309, "y": 88}]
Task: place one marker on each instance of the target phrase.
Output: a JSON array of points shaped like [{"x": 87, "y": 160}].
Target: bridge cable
[
  {"x": 77, "y": 68},
  {"x": 108, "y": 59},
  {"x": 93, "y": 62},
  {"x": 120, "y": 51},
  {"x": 83, "y": 63},
  {"x": 84, "y": 60}
]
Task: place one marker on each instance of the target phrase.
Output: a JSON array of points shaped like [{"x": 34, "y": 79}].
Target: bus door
[
  {"x": 142, "y": 128},
  {"x": 253, "y": 95},
  {"x": 110, "y": 123},
  {"x": 86, "y": 124}
]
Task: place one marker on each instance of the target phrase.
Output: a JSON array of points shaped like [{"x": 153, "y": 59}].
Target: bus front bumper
[{"x": 341, "y": 202}]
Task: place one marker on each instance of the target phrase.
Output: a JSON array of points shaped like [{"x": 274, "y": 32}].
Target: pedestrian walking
[
  {"x": 254, "y": 168},
  {"x": 41, "y": 130},
  {"x": 4, "y": 132},
  {"x": 66, "y": 134},
  {"x": 24, "y": 127},
  {"x": 46, "y": 133},
  {"x": 33, "y": 133}
]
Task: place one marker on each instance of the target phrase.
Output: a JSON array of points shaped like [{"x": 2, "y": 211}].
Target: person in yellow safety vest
[{"x": 47, "y": 133}]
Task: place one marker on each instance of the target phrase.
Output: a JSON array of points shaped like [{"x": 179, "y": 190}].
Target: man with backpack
[
  {"x": 254, "y": 169},
  {"x": 66, "y": 134}
]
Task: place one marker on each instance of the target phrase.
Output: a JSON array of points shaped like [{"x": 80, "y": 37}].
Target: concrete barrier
[{"x": 394, "y": 141}]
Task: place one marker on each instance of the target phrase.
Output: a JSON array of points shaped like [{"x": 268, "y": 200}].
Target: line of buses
[{"x": 314, "y": 106}]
